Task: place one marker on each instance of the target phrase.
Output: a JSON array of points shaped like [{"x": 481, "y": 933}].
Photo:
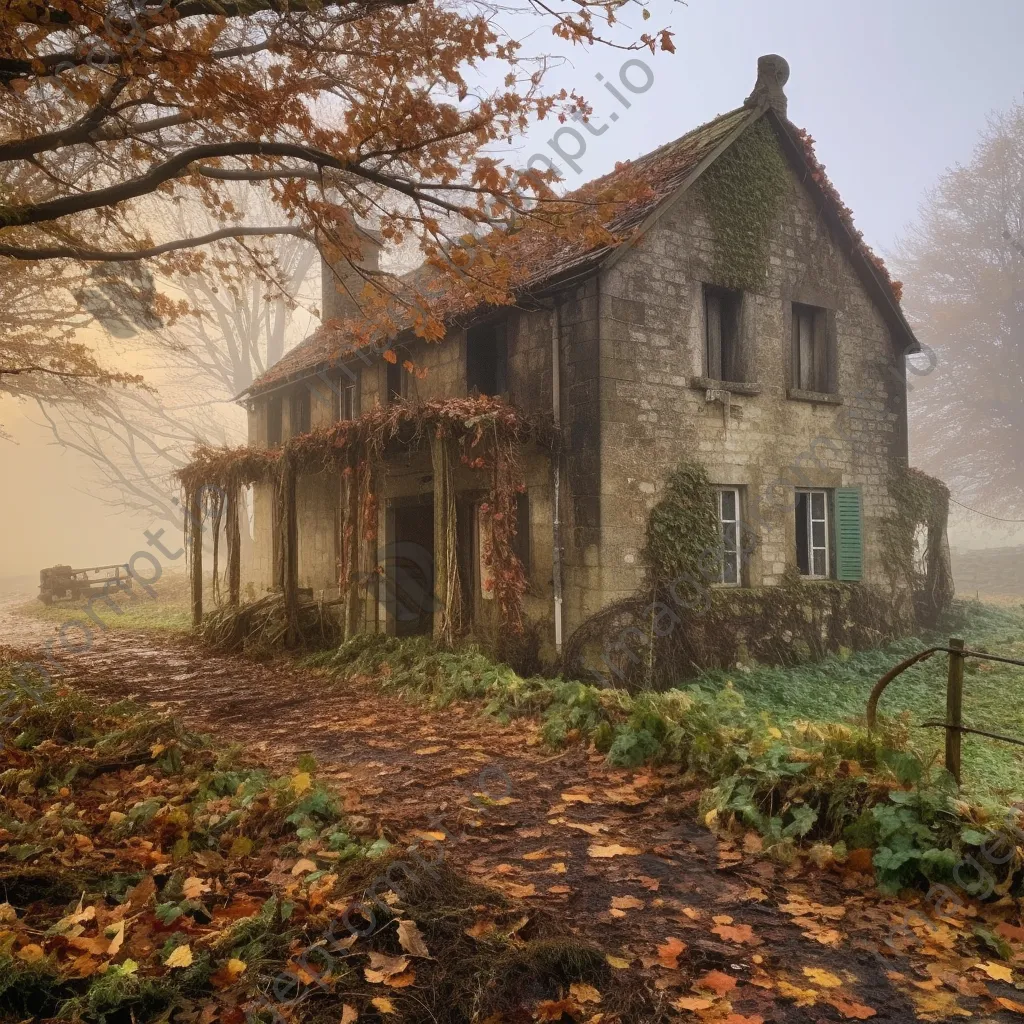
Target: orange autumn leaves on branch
[{"x": 344, "y": 112}]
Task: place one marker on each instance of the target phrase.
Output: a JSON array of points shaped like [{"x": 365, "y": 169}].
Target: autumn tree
[
  {"x": 232, "y": 328},
  {"x": 342, "y": 111},
  {"x": 962, "y": 264}
]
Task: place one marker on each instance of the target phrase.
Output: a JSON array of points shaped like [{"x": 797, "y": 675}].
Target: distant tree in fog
[{"x": 962, "y": 263}]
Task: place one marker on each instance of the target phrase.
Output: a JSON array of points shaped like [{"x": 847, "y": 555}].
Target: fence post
[{"x": 954, "y": 706}]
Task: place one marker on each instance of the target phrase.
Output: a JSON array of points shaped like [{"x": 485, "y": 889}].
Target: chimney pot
[{"x": 772, "y": 75}]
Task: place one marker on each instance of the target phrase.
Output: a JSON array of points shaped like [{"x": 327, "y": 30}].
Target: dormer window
[{"x": 486, "y": 360}]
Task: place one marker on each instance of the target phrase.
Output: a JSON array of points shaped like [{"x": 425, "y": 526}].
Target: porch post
[
  {"x": 350, "y": 543},
  {"x": 234, "y": 539},
  {"x": 195, "y": 536},
  {"x": 291, "y": 555},
  {"x": 446, "y": 593}
]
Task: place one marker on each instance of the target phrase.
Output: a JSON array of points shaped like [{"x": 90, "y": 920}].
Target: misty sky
[{"x": 893, "y": 92}]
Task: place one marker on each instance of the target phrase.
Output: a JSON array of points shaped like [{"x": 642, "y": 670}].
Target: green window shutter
[{"x": 849, "y": 534}]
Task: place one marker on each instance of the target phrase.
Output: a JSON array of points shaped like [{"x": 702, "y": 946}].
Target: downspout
[{"x": 556, "y": 463}]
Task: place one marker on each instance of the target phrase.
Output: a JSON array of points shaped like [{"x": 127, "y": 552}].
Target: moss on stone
[{"x": 743, "y": 193}]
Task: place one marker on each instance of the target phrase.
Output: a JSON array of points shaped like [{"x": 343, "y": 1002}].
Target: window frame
[
  {"x": 737, "y": 522},
  {"x": 718, "y": 365},
  {"x": 828, "y": 519},
  {"x": 397, "y": 370},
  {"x": 821, "y": 378},
  {"x": 492, "y": 336},
  {"x": 300, "y": 411},
  {"x": 275, "y": 419},
  {"x": 345, "y": 391}
]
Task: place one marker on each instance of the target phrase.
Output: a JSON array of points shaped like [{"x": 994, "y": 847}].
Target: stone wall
[{"x": 767, "y": 444}]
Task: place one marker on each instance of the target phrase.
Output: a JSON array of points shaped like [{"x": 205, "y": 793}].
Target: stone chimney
[
  {"x": 772, "y": 75},
  {"x": 340, "y": 289}
]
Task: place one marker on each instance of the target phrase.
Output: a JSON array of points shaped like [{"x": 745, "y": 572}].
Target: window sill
[
  {"x": 736, "y": 387},
  {"x": 828, "y": 398}
]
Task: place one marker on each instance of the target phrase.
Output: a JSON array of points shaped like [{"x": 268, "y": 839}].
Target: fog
[{"x": 893, "y": 93}]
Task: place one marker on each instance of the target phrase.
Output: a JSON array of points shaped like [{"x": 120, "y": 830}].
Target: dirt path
[{"x": 617, "y": 855}]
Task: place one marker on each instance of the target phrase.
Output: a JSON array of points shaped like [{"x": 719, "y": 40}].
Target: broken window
[
  {"x": 274, "y": 431},
  {"x": 722, "y": 308},
  {"x": 813, "y": 553},
  {"x": 486, "y": 360},
  {"x": 812, "y": 355},
  {"x": 729, "y": 535},
  {"x": 300, "y": 412}
]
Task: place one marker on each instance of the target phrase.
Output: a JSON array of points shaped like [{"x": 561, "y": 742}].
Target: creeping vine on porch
[{"x": 484, "y": 434}]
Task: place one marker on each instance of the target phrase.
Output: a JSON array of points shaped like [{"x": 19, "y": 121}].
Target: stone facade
[
  {"x": 656, "y": 406},
  {"x": 635, "y": 398}
]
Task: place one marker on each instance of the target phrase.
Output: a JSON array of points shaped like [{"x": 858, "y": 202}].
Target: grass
[
  {"x": 163, "y": 605},
  {"x": 837, "y": 689}
]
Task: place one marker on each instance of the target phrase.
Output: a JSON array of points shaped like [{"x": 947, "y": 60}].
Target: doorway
[{"x": 411, "y": 568}]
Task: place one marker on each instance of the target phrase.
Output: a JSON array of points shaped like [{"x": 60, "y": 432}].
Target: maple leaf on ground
[
  {"x": 693, "y": 1003},
  {"x": 383, "y": 967},
  {"x": 383, "y": 1005},
  {"x": 555, "y": 1010},
  {"x": 583, "y": 993},
  {"x": 181, "y": 956},
  {"x": 997, "y": 972},
  {"x": 739, "y": 933},
  {"x": 349, "y": 1014},
  {"x": 849, "y": 1008},
  {"x": 612, "y": 850},
  {"x": 669, "y": 952},
  {"x": 716, "y": 981},
  {"x": 822, "y": 978},
  {"x": 627, "y": 903}
]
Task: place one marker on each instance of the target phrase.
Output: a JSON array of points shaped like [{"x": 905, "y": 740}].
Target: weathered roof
[{"x": 639, "y": 189}]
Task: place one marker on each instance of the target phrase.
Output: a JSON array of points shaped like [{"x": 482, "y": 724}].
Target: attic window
[
  {"x": 722, "y": 309},
  {"x": 274, "y": 432},
  {"x": 486, "y": 360},
  {"x": 813, "y": 349},
  {"x": 300, "y": 412}
]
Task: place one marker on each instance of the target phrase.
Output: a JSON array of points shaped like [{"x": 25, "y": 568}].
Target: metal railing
[{"x": 953, "y": 724}]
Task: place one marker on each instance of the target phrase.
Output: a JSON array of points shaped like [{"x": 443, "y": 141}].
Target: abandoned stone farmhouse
[{"x": 741, "y": 325}]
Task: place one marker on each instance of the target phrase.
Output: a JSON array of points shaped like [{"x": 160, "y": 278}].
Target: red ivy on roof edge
[{"x": 819, "y": 176}]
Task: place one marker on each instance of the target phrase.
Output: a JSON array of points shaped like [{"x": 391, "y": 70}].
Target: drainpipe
[{"x": 556, "y": 529}]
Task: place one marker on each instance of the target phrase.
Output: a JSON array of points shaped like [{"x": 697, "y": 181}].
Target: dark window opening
[
  {"x": 346, "y": 398},
  {"x": 486, "y": 360},
  {"x": 274, "y": 432},
  {"x": 300, "y": 413},
  {"x": 813, "y": 547},
  {"x": 722, "y": 309},
  {"x": 397, "y": 383},
  {"x": 521, "y": 541},
  {"x": 411, "y": 569},
  {"x": 812, "y": 355}
]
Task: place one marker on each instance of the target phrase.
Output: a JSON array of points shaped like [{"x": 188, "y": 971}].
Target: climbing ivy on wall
[
  {"x": 743, "y": 193},
  {"x": 682, "y": 528},
  {"x": 921, "y": 501}
]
